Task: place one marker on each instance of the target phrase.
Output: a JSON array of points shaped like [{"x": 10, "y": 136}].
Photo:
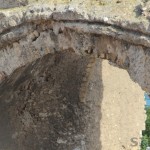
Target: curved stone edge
[
  {"x": 51, "y": 37},
  {"x": 33, "y": 33},
  {"x": 135, "y": 32}
]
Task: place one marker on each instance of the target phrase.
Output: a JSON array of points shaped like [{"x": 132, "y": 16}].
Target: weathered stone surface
[
  {"x": 36, "y": 31},
  {"x": 94, "y": 29},
  {"x": 52, "y": 104},
  {"x": 12, "y": 3}
]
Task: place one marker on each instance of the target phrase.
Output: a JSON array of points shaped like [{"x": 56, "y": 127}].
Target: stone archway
[{"x": 35, "y": 40}]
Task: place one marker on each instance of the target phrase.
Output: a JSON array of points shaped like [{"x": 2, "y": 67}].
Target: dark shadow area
[
  {"x": 138, "y": 10},
  {"x": 41, "y": 106}
]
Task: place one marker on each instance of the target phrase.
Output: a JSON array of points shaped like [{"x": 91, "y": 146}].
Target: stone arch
[{"x": 29, "y": 38}]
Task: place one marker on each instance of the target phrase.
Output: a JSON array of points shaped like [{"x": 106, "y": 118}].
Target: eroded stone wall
[
  {"x": 37, "y": 31},
  {"x": 12, "y": 3},
  {"x": 52, "y": 103},
  {"x": 53, "y": 99}
]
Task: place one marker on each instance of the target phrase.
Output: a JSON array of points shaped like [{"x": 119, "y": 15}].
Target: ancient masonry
[
  {"x": 50, "y": 60},
  {"x": 24, "y": 35}
]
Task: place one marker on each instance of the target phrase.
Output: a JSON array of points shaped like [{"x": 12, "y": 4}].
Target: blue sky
[{"x": 147, "y": 99}]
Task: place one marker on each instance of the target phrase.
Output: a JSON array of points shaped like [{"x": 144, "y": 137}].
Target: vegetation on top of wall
[{"x": 146, "y": 133}]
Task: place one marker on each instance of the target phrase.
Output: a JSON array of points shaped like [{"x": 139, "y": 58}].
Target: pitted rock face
[
  {"x": 50, "y": 105},
  {"x": 30, "y": 33},
  {"x": 146, "y": 9},
  {"x": 12, "y": 3},
  {"x": 44, "y": 101}
]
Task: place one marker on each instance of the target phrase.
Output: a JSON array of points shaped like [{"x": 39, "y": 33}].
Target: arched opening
[
  {"x": 123, "y": 114},
  {"x": 70, "y": 102}
]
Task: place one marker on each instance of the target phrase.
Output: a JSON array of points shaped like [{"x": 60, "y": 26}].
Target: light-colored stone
[
  {"x": 12, "y": 3},
  {"x": 53, "y": 32},
  {"x": 86, "y": 28}
]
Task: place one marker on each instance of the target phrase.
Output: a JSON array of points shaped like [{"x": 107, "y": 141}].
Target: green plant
[{"x": 144, "y": 142}]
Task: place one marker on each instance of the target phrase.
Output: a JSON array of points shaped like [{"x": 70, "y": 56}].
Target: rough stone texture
[
  {"x": 12, "y": 3},
  {"x": 52, "y": 104},
  {"x": 86, "y": 31},
  {"x": 31, "y": 33}
]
